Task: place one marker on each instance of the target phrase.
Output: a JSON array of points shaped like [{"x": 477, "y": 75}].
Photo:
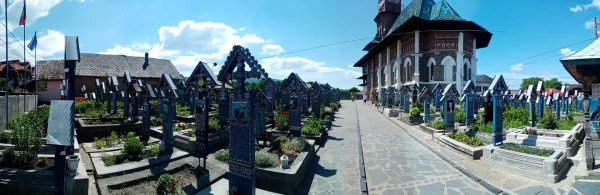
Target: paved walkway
[
  {"x": 335, "y": 168},
  {"x": 396, "y": 164}
]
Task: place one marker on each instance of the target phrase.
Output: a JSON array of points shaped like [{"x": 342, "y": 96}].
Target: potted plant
[{"x": 415, "y": 116}]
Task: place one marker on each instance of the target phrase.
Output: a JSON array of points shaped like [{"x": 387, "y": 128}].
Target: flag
[
  {"x": 33, "y": 43},
  {"x": 22, "y": 22}
]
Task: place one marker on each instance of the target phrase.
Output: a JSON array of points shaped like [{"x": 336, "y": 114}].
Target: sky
[{"x": 319, "y": 40}]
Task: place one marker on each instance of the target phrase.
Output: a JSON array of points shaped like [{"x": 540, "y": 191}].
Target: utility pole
[{"x": 595, "y": 28}]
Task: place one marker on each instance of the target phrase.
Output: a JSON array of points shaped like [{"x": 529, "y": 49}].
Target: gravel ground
[{"x": 183, "y": 178}]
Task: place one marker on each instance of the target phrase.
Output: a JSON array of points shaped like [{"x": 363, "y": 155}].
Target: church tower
[{"x": 388, "y": 12}]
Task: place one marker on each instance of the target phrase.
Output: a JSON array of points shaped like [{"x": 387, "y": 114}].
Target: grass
[
  {"x": 436, "y": 124},
  {"x": 464, "y": 138},
  {"x": 486, "y": 128},
  {"x": 527, "y": 149}
]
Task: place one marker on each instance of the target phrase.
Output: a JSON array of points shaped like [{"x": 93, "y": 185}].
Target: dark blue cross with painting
[
  {"x": 449, "y": 98},
  {"x": 242, "y": 179},
  {"x": 293, "y": 86},
  {"x": 497, "y": 87}
]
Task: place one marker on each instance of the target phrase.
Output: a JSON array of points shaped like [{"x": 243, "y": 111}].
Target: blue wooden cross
[
  {"x": 496, "y": 88},
  {"x": 449, "y": 97},
  {"x": 540, "y": 101}
]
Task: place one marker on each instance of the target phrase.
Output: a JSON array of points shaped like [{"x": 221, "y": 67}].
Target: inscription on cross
[{"x": 496, "y": 89}]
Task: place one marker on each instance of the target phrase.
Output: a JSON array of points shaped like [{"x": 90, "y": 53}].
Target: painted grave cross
[
  {"x": 540, "y": 100},
  {"x": 134, "y": 93},
  {"x": 262, "y": 101},
  {"x": 426, "y": 96},
  {"x": 242, "y": 179},
  {"x": 315, "y": 99},
  {"x": 404, "y": 96},
  {"x": 556, "y": 98},
  {"x": 293, "y": 86},
  {"x": 564, "y": 101},
  {"x": 390, "y": 96},
  {"x": 382, "y": 97},
  {"x": 269, "y": 88},
  {"x": 147, "y": 94},
  {"x": 531, "y": 98},
  {"x": 128, "y": 86},
  {"x": 113, "y": 85},
  {"x": 449, "y": 98},
  {"x": 183, "y": 93},
  {"x": 467, "y": 98},
  {"x": 496, "y": 88},
  {"x": 415, "y": 92},
  {"x": 203, "y": 80},
  {"x": 99, "y": 91},
  {"x": 327, "y": 94},
  {"x": 168, "y": 94},
  {"x": 437, "y": 95}
]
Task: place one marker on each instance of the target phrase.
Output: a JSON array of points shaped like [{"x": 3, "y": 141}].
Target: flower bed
[
  {"x": 178, "y": 179},
  {"x": 86, "y": 132},
  {"x": 557, "y": 140},
  {"x": 475, "y": 151},
  {"x": 133, "y": 150},
  {"x": 547, "y": 169}
]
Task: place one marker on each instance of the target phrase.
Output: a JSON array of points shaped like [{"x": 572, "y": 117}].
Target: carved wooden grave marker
[
  {"x": 168, "y": 94},
  {"x": 293, "y": 86},
  {"x": 426, "y": 96},
  {"x": 496, "y": 88},
  {"x": 468, "y": 92},
  {"x": 242, "y": 179},
  {"x": 540, "y": 100},
  {"x": 449, "y": 97}
]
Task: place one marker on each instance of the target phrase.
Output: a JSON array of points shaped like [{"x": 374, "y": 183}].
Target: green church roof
[
  {"x": 443, "y": 10},
  {"x": 425, "y": 9}
]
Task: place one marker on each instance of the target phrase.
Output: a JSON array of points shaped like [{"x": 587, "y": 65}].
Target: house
[
  {"x": 483, "y": 83},
  {"x": 100, "y": 66},
  {"x": 16, "y": 74},
  {"x": 425, "y": 43}
]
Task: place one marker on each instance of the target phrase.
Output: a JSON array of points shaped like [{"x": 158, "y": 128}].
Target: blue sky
[{"x": 188, "y": 31}]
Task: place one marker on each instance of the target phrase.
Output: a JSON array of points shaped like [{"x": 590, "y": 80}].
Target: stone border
[
  {"x": 205, "y": 179},
  {"x": 103, "y": 171},
  {"x": 567, "y": 143},
  {"x": 186, "y": 119},
  {"x": 216, "y": 141},
  {"x": 429, "y": 130},
  {"x": 475, "y": 152},
  {"x": 16, "y": 181},
  {"x": 87, "y": 132},
  {"x": 286, "y": 181},
  {"x": 319, "y": 139},
  {"x": 546, "y": 169}
]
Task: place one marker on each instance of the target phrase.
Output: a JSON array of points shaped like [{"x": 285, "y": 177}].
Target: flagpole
[
  {"x": 35, "y": 76},
  {"x": 6, "y": 49},
  {"x": 24, "y": 64}
]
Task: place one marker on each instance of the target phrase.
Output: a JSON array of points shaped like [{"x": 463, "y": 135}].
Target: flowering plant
[
  {"x": 167, "y": 184},
  {"x": 282, "y": 119},
  {"x": 42, "y": 162},
  {"x": 79, "y": 99}
]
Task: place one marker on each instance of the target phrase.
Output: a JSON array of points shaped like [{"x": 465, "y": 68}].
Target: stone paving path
[
  {"x": 335, "y": 168},
  {"x": 396, "y": 164}
]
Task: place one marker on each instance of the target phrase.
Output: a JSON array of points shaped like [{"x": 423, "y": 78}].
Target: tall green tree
[
  {"x": 530, "y": 81},
  {"x": 353, "y": 90},
  {"x": 553, "y": 83}
]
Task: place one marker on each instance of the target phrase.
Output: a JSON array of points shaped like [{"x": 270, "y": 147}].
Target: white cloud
[
  {"x": 589, "y": 24},
  {"x": 595, "y": 3},
  {"x": 517, "y": 67},
  {"x": 566, "y": 52},
  {"x": 271, "y": 49},
  {"x": 576, "y": 9},
  {"x": 36, "y": 9}
]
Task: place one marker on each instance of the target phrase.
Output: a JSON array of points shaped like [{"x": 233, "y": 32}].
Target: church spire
[{"x": 388, "y": 12}]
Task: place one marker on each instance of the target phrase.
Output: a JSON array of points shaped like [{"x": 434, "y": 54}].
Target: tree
[
  {"x": 353, "y": 90},
  {"x": 553, "y": 83},
  {"x": 530, "y": 81}
]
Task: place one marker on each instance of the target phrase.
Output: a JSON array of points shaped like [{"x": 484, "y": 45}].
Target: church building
[{"x": 425, "y": 43}]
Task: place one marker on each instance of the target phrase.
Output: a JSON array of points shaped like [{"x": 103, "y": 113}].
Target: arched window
[
  {"x": 449, "y": 67},
  {"x": 431, "y": 69},
  {"x": 407, "y": 64},
  {"x": 466, "y": 70}
]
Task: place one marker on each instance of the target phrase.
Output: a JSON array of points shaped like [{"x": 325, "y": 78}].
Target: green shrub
[
  {"x": 266, "y": 160},
  {"x": 154, "y": 109},
  {"x": 473, "y": 141},
  {"x": 222, "y": 155},
  {"x": 167, "y": 184},
  {"x": 396, "y": 103},
  {"x": 575, "y": 114},
  {"x": 4, "y": 137},
  {"x": 414, "y": 112},
  {"x": 334, "y": 106},
  {"x": 282, "y": 118},
  {"x": 176, "y": 128},
  {"x": 460, "y": 116},
  {"x": 99, "y": 143},
  {"x": 155, "y": 121},
  {"x": 486, "y": 128},
  {"x": 312, "y": 127},
  {"x": 9, "y": 156},
  {"x": 419, "y": 105},
  {"x": 133, "y": 148},
  {"x": 214, "y": 124},
  {"x": 297, "y": 145},
  {"x": 436, "y": 124},
  {"x": 566, "y": 124},
  {"x": 183, "y": 110},
  {"x": 108, "y": 160},
  {"x": 154, "y": 150},
  {"x": 527, "y": 149},
  {"x": 322, "y": 111},
  {"x": 515, "y": 117},
  {"x": 28, "y": 132},
  {"x": 280, "y": 142},
  {"x": 191, "y": 133},
  {"x": 549, "y": 122}
]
